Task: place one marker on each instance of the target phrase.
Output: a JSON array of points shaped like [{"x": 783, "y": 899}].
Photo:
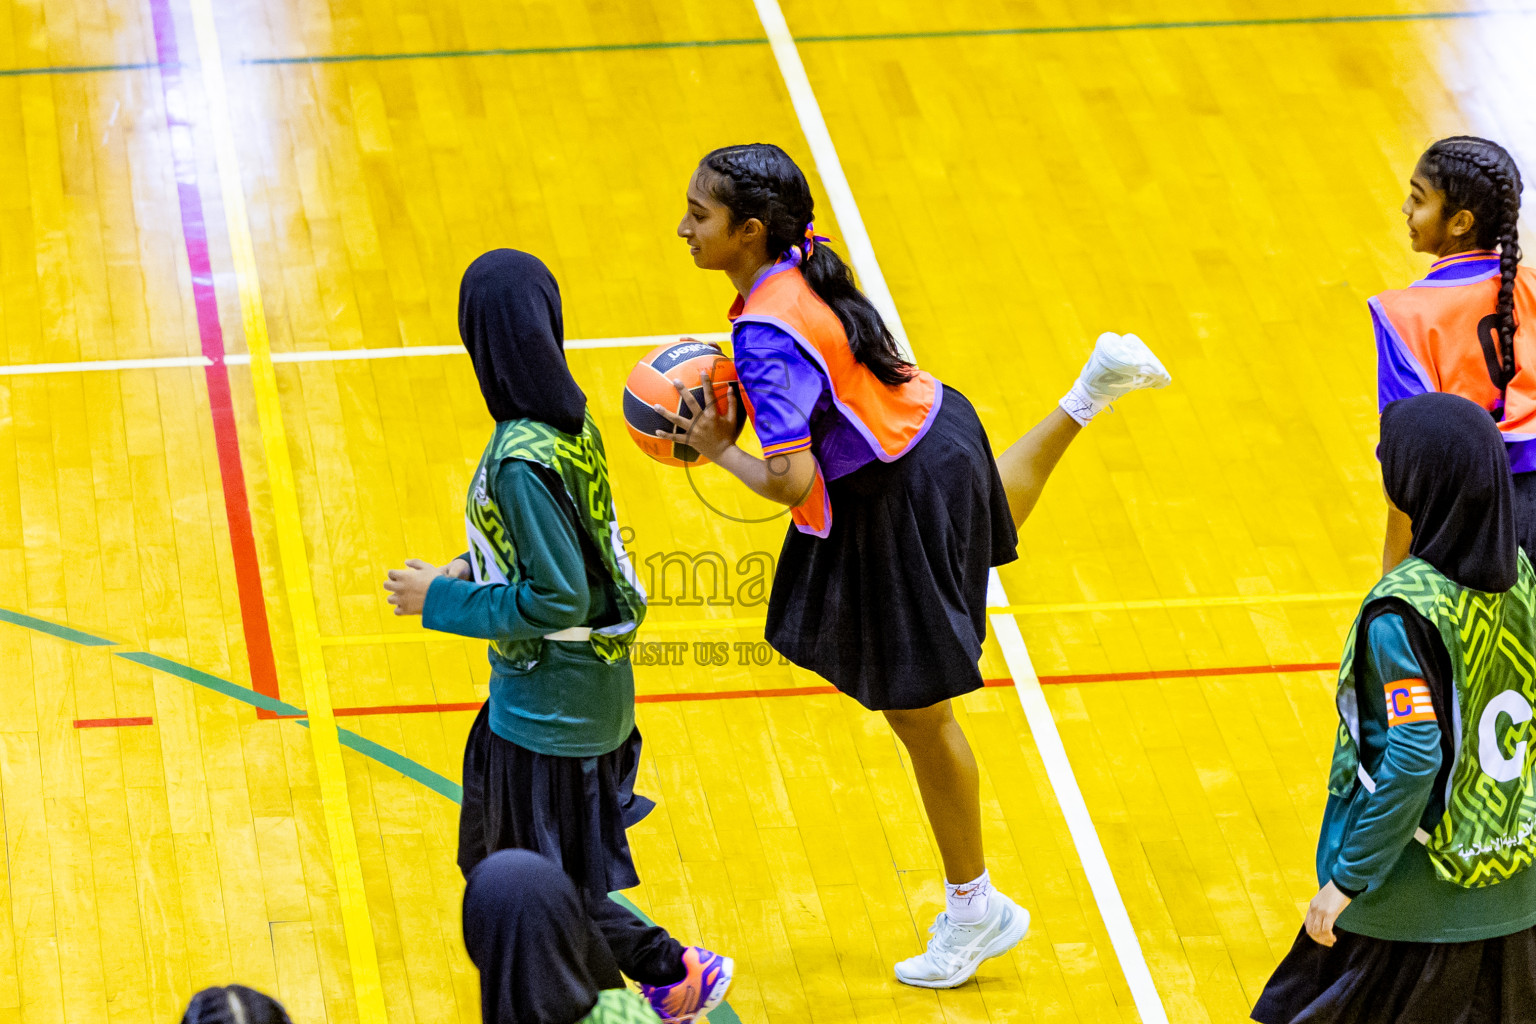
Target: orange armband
[{"x": 1408, "y": 701}]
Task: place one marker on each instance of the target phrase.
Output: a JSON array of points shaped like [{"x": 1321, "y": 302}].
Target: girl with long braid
[
  {"x": 1469, "y": 327},
  {"x": 899, "y": 510}
]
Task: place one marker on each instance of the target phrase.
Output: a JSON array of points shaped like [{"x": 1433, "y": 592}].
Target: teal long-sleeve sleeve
[
  {"x": 1405, "y": 773},
  {"x": 1367, "y": 846},
  {"x": 554, "y": 593}
]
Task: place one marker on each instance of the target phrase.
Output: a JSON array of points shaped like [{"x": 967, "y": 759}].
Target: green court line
[
  {"x": 1155, "y": 26},
  {"x": 850, "y": 37},
  {"x": 414, "y": 770},
  {"x": 360, "y": 743},
  {"x": 80, "y": 69},
  {"x": 53, "y": 629},
  {"x": 521, "y": 51},
  {"x": 243, "y": 694},
  {"x": 865, "y": 37},
  {"x": 399, "y": 762}
]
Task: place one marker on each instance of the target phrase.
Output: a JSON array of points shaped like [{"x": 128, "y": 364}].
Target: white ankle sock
[
  {"x": 1081, "y": 404},
  {"x": 967, "y": 902}
]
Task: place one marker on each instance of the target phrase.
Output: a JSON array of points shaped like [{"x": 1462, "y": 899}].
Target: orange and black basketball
[{"x": 650, "y": 383}]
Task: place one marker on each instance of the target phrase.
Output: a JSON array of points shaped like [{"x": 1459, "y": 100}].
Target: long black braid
[{"x": 1480, "y": 176}]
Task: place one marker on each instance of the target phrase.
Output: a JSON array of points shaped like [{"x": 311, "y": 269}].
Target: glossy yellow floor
[{"x": 1225, "y": 186}]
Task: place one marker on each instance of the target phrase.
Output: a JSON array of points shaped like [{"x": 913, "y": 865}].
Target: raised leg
[
  {"x": 1028, "y": 462},
  {"x": 1119, "y": 365}
]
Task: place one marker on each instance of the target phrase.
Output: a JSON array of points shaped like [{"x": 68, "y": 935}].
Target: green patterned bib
[
  {"x": 582, "y": 466},
  {"x": 620, "y": 1006},
  {"x": 1488, "y": 831}
]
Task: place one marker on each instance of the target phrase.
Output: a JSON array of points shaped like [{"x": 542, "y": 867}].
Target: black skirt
[
  {"x": 1361, "y": 980},
  {"x": 891, "y": 606},
  {"x": 572, "y": 810}
]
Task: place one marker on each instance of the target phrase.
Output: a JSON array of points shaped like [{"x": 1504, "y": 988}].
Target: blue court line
[
  {"x": 414, "y": 770},
  {"x": 850, "y": 37}
]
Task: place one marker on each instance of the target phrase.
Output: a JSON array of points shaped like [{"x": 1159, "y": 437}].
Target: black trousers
[{"x": 644, "y": 952}]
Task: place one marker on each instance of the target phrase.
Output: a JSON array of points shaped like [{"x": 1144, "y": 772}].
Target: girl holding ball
[{"x": 899, "y": 508}]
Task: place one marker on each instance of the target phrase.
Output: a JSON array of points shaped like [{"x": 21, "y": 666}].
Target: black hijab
[
  {"x": 527, "y": 930},
  {"x": 1443, "y": 464},
  {"x": 509, "y": 318}
]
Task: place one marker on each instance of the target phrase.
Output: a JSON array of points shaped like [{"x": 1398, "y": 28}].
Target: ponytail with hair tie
[{"x": 796, "y": 253}]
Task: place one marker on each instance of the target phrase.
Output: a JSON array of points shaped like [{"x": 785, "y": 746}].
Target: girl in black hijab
[
  {"x": 540, "y": 959},
  {"x": 551, "y": 759},
  {"x": 1427, "y": 907},
  {"x": 1440, "y": 467},
  {"x": 511, "y": 322}
]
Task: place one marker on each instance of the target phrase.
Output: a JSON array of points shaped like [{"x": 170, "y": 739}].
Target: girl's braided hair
[
  {"x": 761, "y": 181},
  {"x": 234, "y": 1004},
  {"x": 1480, "y": 176}
]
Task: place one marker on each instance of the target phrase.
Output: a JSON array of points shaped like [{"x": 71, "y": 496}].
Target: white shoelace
[{"x": 940, "y": 950}]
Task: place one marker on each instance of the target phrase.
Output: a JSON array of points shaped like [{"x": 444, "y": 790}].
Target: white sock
[
  {"x": 1081, "y": 404},
  {"x": 968, "y": 902}
]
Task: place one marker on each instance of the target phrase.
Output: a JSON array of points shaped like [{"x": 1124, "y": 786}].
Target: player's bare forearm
[{"x": 785, "y": 479}]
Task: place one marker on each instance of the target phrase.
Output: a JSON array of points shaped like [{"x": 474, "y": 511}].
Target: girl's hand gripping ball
[
  {"x": 667, "y": 390},
  {"x": 705, "y": 427}
]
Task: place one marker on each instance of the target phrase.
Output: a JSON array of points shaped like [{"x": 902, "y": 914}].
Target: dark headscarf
[
  {"x": 527, "y": 930},
  {"x": 1443, "y": 464},
  {"x": 509, "y": 318}
]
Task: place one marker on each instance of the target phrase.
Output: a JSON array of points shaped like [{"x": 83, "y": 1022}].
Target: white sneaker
[
  {"x": 1120, "y": 364},
  {"x": 956, "y": 950}
]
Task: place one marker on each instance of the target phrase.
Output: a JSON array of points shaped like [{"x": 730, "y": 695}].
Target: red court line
[
  {"x": 808, "y": 691},
  {"x": 194, "y": 230},
  {"x": 1180, "y": 673},
  {"x": 788, "y": 691},
  {"x": 110, "y": 723},
  {"x": 411, "y": 709}
]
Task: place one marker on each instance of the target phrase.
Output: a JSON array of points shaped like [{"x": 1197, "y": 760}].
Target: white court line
[
  {"x": 861, "y": 252},
  {"x": 1053, "y": 753},
  {"x": 334, "y": 356},
  {"x": 649, "y": 341},
  {"x": 1090, "y": 851},
  {"x": 105, "y": 364}
]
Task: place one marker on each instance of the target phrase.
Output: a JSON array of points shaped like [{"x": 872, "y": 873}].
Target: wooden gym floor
[{"x": 195, "y": 544}]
